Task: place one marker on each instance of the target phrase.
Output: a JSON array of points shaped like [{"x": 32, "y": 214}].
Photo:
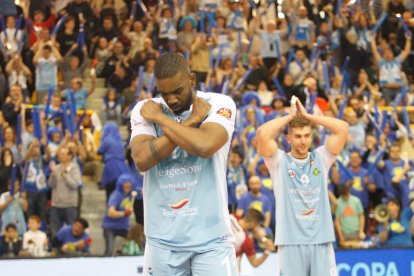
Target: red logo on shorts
[{"x": 180, "y": 204}]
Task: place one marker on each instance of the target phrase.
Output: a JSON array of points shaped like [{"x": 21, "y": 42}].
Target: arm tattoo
[{"x": 155, "y": 153}]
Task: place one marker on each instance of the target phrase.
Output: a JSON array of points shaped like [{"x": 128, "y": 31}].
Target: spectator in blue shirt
[
  {"x": 112, "y": 152},
  {"x": 398, "y": 229},
  {"x": 119, "y": 208},
  {"x": 72, "y": 240},
  {"x": 256, "y": 200}
]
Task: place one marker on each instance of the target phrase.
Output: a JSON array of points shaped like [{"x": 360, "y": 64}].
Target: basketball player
[
  {"x": 304, "y": 229},
  {"x": 182, "y": 141}
]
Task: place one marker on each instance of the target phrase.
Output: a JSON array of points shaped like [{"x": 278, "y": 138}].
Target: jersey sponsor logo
[
  {"x": 179, "y": 187},
  {"x": 291, "y": 173},
  {"x": 180, "y": 204},
  {"x": 180, "y": 212},
  {"x": 307, "y": 212},
  {"x": 225, "y": 112},
  {"x": 180, "y": 171}
]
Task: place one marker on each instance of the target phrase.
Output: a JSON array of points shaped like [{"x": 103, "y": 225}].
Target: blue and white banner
[{"x": 374, "y": 262}]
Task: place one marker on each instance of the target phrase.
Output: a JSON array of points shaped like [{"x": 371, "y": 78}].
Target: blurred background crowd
[{"x": 72, "y": 70}]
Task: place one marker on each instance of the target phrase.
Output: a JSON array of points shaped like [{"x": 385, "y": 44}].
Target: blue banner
[{"x": 375, "y": 262}]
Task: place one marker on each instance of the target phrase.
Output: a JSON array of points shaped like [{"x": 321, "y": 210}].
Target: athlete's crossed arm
[{"x": 148, "y": 150}]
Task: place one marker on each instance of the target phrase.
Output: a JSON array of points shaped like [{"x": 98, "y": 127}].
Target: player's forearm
[
  {"x": 196, "y": 141},
  {"x": 269, "y": 130},
  {"x": 256, "y": 262},
  {"x": 151, "y": 152}
]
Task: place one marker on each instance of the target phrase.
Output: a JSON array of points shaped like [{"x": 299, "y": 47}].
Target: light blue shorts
[
  {"x": 220, "y": 261},
  {"x": 306, "y": 260}
]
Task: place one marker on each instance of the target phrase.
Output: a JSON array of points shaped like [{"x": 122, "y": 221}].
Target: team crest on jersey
[
  {"x": 225, "y": 112},
  {"x": 316, "y": 172},
  {"x": 291, "y": 173},
  {"x": 312, "y": 162}
]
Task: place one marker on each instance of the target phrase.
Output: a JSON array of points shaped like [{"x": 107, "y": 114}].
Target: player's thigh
[
  {"x": 323, "y": 260},
  {"x": 219, "y": 261},
  {"x": 292, "y": 260},
  {"x": 164, "y": 262}
]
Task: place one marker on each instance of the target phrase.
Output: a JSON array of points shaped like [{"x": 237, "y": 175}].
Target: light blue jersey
[
  {"x": 302, "y": 206},
  {"x": 185, "y": 196}
]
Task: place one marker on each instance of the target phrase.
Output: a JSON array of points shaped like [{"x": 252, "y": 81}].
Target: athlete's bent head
[{"x": 174, "y": 81}]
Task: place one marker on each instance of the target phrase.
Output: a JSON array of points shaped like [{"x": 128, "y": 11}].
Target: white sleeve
[
  {"x": 223, "y": 112},
  {"x": 272, "y": 162},
  {"x": 140, "y": 126},
  {"x": 327, "y": 157}
]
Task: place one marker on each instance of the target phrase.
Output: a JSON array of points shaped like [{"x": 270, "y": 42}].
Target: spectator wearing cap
[
  {"x": 187, "y": 34},
  {"x": 119, "y": 208},
  {"x": 112, "y": 151},
  {"x": 72, "y": 240}
]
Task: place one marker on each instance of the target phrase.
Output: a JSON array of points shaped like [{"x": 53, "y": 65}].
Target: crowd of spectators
[{"x": 349, "y": 59}]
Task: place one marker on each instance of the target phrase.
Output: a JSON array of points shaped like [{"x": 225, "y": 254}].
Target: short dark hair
[
  {"x": 343, "y": 190},
  {"x": 299, "y": 122},
  {"x": 83, "y": 221},
  {"x": 11, "y": 226},
  {"x": 170, "y": 64},
  {"x": 236, "y": 150},
  {"x": 254, "y": 216}
]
